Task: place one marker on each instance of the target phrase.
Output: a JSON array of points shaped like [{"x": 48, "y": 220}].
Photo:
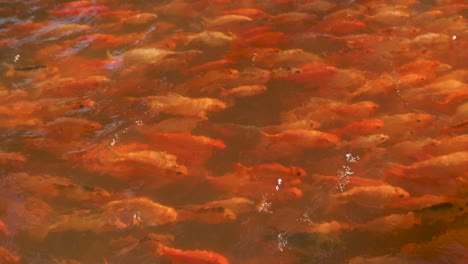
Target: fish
[
  {"x": 146, "y": 163},
  {"x": 53, "y": 30},
  {"x": 178, "y": 105},
  {"x": 449, "y": 247},
  {"x": 190, "y": 256},
  {"x": 271, "y": 172},
  {"x": 206, "y": 214},
  {"x": 209, "y": 39},
  {"x": 47, "y": 186},
  {"x": 417, "y": 203},
  {"x": 238, "y": 205},
  {"x": 248, "y": 12},
  {"x": 142, "y": 56},
  {"x": 369, "y": 196},
  {"x": 361, "y": 128},
  {"x": 300, "y": 124},
  {"x": 390, "y": 223},
  {"x": 189, "y": 149},
  {"x": 365, "y": 142},
  {"x": 227, "y": 21},
  {"x": 244, "y": 91},
  {"x": 73, "y": 86},
  {"x": 431, "y": 168},
  {"x": 293, "y": 142},
  {"x": 139, "y": 19},
  {"x": 119, "y": 214},
  {"x": 446, "y": 212},
  {"x": 69, "y": 128},
  {"x": 212, "y": 65}
]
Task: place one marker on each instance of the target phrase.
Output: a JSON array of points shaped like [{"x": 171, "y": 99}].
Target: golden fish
[
  {"x": 271, "y": 172},
  {"x": 390, "y": 223},
  {"x": 209, "y": 39},
  {"x": 189, "y": 149},
  {"x": 174, "y": 104},
  {"x": 369, "y": 196},
  {"x": 244, "y": 91},
  {"x": 115, "y": 215}
]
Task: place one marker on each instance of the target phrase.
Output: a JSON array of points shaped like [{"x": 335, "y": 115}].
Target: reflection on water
[{"x": 233, "y": 131}]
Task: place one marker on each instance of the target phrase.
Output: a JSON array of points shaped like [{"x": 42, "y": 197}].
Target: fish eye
[
  {"x": 288, "y": 68},
  {"x": 402, "y": 195},
  {"x": 179, "y": 173},
  {"x": 297, "y": 71},
  {"x": 298, "y": 173},
  {"x": 81, "y": 105},
  {"x": 418, "y": 120}
]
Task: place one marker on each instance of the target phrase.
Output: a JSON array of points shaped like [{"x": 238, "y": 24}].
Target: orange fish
[
  {"x": 360, "y": 128},
  {"x": 272, "y": 172},
  {"x": 390, "y": 223},
  {"x": 206, "y": 214},
  {"x": 120, "y": 214},
  {"x": 249, "y": 12},
  {"x": 73, "y": 86},
  {"x": 212, "y": 65},
  {"x": 369, "y": 196},
  {"x": 189, "y": 149},
  {"x": 178, "y": 105},
  {"x": 190, "y": 256},
  {"x": 291, "y": 143}
]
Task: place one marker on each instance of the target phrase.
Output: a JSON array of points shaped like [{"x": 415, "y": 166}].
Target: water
[{"x": 322, "y": 131}]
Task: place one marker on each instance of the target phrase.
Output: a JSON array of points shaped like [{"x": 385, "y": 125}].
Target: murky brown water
[{"x": 233, "y": 131}]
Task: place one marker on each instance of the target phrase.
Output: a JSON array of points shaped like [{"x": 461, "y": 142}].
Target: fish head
[
  {"x": 380, "y": 138},
  {"x": 290, "y": 193},
  {"x": 181, "y": 170},
  {"x": 423, "y": 119},
  {"x": 297, "y": 173},
  {"x": 156, "y": 216},
  {"x": 92, "y": 126},
  {"x": 96, "y": 193},
  {"x": 401, "y": 193},
  {"x": 217, "y": 106},
  {"x": 328, "y": 140}
]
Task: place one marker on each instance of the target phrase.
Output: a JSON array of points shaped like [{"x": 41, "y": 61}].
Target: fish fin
[{"x": 205, "y": 21}]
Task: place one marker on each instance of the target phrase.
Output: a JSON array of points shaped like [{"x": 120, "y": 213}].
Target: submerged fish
[{"x": 115, "y": 215}]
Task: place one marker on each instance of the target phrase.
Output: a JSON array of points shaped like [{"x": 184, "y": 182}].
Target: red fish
[
  {"x": 191, "y": 256},
  {"x": 360, "y": 128}
]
